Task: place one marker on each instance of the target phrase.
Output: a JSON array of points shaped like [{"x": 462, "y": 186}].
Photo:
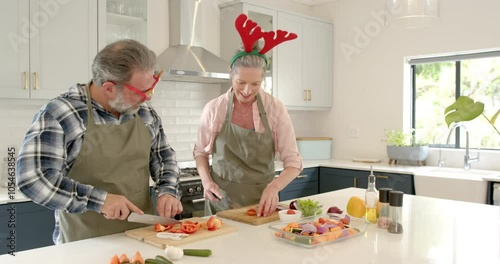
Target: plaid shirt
[{"x": 54, "y": 140}]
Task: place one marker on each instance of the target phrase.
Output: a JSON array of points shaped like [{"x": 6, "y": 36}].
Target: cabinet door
[
  {"x": 395, "y": 181},
  {"x": 34, "y": 225},
  {"x": 14, "y": 49},
  {"x": 318, "y": 61},
  {"x": 305, "y": 184},
  {"x": 63, "y": 45},
  {"x": 290, "y": 62},
  {"x": 335, "y": 179}
]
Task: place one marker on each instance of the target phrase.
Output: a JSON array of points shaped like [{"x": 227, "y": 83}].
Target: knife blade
[{"x": 151, "y": 219}]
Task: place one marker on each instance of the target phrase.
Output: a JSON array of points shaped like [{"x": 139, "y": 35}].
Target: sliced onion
[
  {"x": 322, "y": 229},
  {"x": 309, "y": 228}
]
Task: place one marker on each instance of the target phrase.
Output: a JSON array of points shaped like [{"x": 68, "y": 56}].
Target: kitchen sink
[
  {"x": 461, "y": 171},
  {"x": 453, "y": 183}
]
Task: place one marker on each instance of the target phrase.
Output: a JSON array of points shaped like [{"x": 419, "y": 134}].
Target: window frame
[{"x": 457, "y": 59}]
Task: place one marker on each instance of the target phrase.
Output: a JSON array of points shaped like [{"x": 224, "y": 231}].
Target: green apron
[
  {"x": 114, "y": 158},
  {"x": 243, "y": 160}
]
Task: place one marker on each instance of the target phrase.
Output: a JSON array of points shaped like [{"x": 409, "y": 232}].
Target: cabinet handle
[
  {"x": 383, "y": 177},
  {"x": 355, "y": 182},
  {"x": 35, "y": 74},
  {"x": 310, "y": 95},
  {"x": 25, "y": 74},
  {"x": 302, "y": 176},
  {"x": 305, "y": 95}
]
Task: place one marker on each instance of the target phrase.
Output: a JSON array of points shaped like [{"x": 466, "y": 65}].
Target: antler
[
  {"x": 270, "y": 41},
  {"x": 247, "y": 36}
]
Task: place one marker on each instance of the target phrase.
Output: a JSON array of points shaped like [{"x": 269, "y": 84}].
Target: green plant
[
  {"x": 401, "y": 139},
  {"x": 465, "y": 109}
]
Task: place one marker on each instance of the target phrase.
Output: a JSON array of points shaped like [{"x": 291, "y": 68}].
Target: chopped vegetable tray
[{"x": 319, "y": 230}]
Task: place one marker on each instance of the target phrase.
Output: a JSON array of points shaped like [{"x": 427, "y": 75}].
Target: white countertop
[{"x": 435, "y": 231}]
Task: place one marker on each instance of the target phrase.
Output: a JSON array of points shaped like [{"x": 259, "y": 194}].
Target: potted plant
[
  {"x": 465, "y": 109},
  {"x": 404, "y": 147}
]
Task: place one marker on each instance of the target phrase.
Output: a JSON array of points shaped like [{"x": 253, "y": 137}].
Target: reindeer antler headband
[{"x": 250, "y": 32}]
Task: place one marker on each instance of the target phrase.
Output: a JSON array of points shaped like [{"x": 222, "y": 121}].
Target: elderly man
[{"x": 90, "y": 152}]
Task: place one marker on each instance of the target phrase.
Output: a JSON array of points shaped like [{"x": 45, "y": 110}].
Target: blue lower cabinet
[
  {"x": 31, "y": 225},
  {"x": 307, "y": 183},
  {"x": 332, "y": 179}
]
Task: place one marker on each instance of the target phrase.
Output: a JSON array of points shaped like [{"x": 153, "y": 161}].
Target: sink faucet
[{"x": 467, "y": 158}]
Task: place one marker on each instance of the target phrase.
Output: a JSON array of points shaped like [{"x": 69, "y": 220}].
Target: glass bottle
[
  {"x": 371, "y": 197},
  {"x": 395, "y": 212},
  {"x": 383, "y": 212}
]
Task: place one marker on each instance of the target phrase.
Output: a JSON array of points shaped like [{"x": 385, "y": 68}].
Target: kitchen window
[{"x": 438, "y": 81}]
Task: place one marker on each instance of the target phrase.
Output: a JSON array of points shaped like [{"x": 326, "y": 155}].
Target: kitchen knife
[{"x": 151, "y": 219}]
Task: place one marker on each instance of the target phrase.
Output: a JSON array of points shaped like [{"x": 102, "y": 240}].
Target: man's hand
[
  {"x": 118, "y": 207},
  {"x": 168, "y": 206}
]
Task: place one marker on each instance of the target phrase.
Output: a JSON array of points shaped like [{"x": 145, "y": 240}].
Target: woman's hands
[
  {"x": 211, "y": 191},
  {"x": 268, "y": 201}
]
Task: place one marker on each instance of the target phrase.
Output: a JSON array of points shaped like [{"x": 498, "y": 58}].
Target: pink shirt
[{"x": 214, "y": 115}]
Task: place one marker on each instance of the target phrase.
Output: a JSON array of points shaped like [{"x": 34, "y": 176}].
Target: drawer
[{"x": 307, "y": 175}]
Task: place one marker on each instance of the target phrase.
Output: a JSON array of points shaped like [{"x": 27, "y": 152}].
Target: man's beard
[{"x": 119, "y": 105}]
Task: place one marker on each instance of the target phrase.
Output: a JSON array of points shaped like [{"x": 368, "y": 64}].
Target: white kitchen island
[{"x": 435, "y": 231}]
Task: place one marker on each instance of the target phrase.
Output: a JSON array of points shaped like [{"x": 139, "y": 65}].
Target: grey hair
[
  {"x": 118, "y": 60},
  {"x": 248, "y": 61}
]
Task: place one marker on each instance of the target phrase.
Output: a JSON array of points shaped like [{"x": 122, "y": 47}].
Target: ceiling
[{"x": 313, "y": 2}]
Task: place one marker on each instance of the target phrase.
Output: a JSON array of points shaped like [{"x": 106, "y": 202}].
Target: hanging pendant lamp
[{"x": 412, "y": 13}]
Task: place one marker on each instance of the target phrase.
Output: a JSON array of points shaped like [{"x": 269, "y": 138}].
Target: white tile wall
[{"x": 179, "y": 105}]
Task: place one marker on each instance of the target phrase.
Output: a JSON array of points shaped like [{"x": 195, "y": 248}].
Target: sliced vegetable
[
  {"x": 124, "y": 259},
  {"x": 251, "y": 212},
  {"x": 114, "y": 260},
  {"x": 137, "y": 258},
  {"x": 290, "y": 212},
  {"x": 214, "y": 223},
  {"x": 198, "y": 252},
  {"x": 190, "y": 228},
  {"x": 161, "y": 228}
]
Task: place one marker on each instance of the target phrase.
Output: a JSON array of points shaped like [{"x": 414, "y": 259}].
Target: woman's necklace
[{"x": 243, "y": 114}]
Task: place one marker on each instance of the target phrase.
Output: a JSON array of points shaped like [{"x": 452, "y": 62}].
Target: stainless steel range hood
[{"x": 186, "y": 60}]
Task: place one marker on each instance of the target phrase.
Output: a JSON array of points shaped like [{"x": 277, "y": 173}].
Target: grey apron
[
  {"x": 243, "y": 160},
  {"x": 114, "y": 158}
]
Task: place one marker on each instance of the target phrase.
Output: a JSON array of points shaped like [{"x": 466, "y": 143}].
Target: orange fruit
[{"x": 356, "y": 207}]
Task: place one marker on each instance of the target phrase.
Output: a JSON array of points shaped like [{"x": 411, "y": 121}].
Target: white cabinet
[
  {"x": 301, "y": 70},
  {"x": 305, "y": 65},
  {"x": 49, "y": 46}
]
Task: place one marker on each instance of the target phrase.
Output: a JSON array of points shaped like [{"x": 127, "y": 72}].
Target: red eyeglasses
[{"x": 146, "y": 93}]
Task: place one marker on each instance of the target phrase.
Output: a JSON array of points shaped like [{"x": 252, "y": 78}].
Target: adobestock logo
[
  {"x": 364, "y": 35},
  {"x": 30, "y": 27}
]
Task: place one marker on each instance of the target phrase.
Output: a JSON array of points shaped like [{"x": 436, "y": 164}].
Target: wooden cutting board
[
  {"x": 148, "y": 235},
  {"x": 240, "y": 215}
]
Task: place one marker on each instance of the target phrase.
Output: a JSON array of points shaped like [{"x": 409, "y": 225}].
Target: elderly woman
[{"x": 243, "y": 129}]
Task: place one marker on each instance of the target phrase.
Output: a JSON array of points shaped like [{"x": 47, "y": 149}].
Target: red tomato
[
  {"x": 290, "y": 212},
  {"x": 252, "y": 212}
]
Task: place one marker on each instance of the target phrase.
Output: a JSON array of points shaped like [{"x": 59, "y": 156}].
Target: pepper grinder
[
  {"x": 383, "y": 214},
  {"x": 395, "y": 212}
]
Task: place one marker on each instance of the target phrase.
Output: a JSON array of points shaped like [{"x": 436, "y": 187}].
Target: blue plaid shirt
[{"x": 53, "y": 142}]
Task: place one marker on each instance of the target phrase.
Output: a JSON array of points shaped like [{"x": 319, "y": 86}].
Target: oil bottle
[{"x": 371, "y": 198}]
